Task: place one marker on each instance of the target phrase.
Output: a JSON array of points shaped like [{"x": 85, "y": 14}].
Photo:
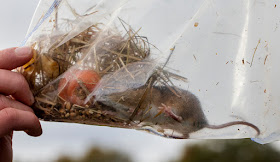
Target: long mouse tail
[{"x": 234, "y": 123}]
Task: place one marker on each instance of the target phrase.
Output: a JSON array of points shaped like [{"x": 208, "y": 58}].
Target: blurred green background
[{"x": 243, "y": 150}]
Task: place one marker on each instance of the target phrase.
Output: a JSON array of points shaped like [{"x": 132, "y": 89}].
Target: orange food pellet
[{"x": 75, "y": 87}]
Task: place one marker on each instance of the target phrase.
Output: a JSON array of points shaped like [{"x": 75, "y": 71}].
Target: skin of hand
[{"x": 15, "y": 99}]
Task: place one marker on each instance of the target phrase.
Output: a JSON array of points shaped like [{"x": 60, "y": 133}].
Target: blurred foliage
[
  {"x": 229, "y": 151},
  {"x": 98, "y": 155},
  {"x": 209, "y": 150},
  {"x": 65, "y": 159}
]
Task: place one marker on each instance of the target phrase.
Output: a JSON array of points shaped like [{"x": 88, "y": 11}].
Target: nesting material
[{"x": 62, "y": 78}]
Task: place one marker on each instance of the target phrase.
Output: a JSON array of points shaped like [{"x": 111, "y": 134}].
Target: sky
[{"x": 74, "y": 139}]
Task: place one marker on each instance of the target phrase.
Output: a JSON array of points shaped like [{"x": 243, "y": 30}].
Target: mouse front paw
[{"x": 167, "y": 110}]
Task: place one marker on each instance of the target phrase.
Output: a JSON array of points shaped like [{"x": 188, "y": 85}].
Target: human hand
[{"x": 15, "y": 99}]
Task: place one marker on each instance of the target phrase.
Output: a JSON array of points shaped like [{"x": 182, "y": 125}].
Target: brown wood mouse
[{"x": 164, "y": 108}]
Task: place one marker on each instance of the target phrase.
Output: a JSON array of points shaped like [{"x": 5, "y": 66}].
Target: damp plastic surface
[{"x": 178, "y": 69}]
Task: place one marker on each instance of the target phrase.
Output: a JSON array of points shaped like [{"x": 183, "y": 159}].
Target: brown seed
[
  {"x": 67, "y": 115},
  {"x": 68, "y": 105},
  {"x": 72, "y": 114},
  {"x": 90, "y": 112},
  {"x": 62, "y": 111}
]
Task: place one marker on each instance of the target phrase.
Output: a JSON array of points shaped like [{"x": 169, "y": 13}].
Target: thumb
[{"x": 14, "y": 57}]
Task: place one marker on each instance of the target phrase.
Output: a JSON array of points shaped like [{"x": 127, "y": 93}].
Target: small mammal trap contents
[{"x": 95, "y": 65}]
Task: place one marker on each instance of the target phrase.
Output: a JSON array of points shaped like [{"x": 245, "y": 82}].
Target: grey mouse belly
[{"x": 185, "y": 115}]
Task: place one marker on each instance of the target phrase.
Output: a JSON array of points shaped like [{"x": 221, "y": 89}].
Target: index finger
[
  {"x": 12, "y": 83},
  {"x": 19, "y": 120},
  {"x": 12, "y": 58}
]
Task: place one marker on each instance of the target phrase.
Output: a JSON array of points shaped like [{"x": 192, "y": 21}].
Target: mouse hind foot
[{"x": 185, "y": 136}]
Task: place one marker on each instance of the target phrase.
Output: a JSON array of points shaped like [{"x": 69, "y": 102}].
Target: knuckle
[
  {"x": 20, "y": 78},
  {"x": 3, "y": 54},
  {"x": 9, "y": 114},
  {"x": 7, "y": 58},
  {"x": 20, "y": 81},
  {"x": 3, "y": 101}
]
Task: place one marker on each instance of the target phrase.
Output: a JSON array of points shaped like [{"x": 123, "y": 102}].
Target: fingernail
[{"x": 23, "y": 51}]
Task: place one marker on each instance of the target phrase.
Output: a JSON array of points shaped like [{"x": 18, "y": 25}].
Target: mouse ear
[{"x": 125, "y": 63}]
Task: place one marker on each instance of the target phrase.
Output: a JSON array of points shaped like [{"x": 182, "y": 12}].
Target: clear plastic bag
[{"x": 179, "y": 69}]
